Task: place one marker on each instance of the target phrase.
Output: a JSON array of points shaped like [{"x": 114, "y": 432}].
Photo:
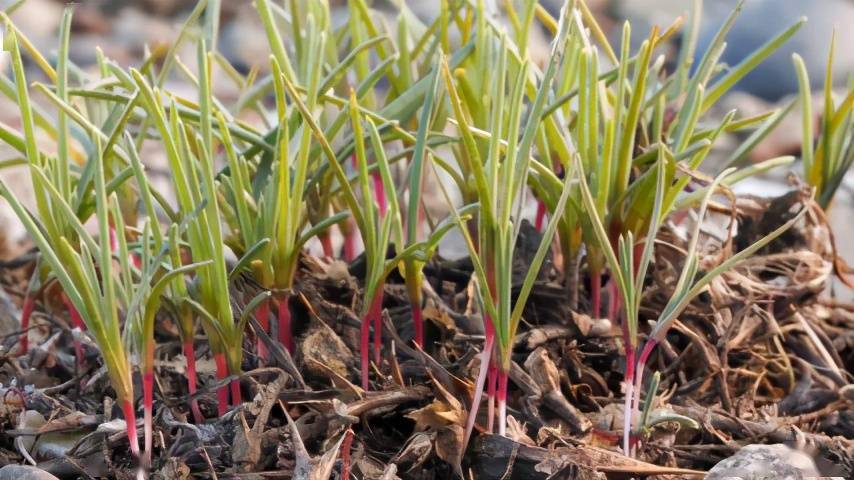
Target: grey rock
[
  {"x": 29, "y": 419},
  {"x": 24, "y": 472},
  {"x": 765, "y": 462},
  {"x": 48, "y": 446}
]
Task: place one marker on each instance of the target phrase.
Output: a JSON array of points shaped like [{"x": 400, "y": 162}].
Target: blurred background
[{"x": 123, "y": 29}]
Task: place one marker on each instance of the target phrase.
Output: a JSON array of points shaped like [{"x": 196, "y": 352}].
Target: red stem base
[
  {"x": 192, "y": 382},
  {"x": 628, "y": 381},
  {"x": 491, "y": 387},
  {"x": 364, "y": 351},
  {"x": 375, "y": 313},
  {"x": 26, "y": 312},
  {"x": 236, "y": 396},
  {"x": 349, "y": 248},
  {"x": 345, "y": 455},
  {"x": 221, "y": 392},
  {"x": 373, "y": 317},
  {"x": 148, "y": 412},
  {"x": 326, "y": 243},
  {"x": 491, "y": 376},
  {"x": 501, "y": 396},
  {"x": 418, "y": 323},
  {"x": 284, "y": 316},
  {"x": 130, "y": 420},
  {"x": 540, "y": 219},
  {"x": 485, "y": 359}
]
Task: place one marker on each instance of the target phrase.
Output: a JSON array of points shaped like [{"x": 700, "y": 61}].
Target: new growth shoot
[
  {"x": 630, "y": 280},
  {"x": 500, "y": 172}
]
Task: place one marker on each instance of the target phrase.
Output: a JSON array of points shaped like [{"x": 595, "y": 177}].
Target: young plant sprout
[
  {"x": 379, "y": 225},
  {"x": 186, "y": 326},
  {"x": 310, "y": 58},
  {"x": 382, "y": 228},
  {"x": 619, "y": 113},
  {"x": 475, "y": 74},
  {"x": 412, "y": 267},
  {"x": 190, "y": 152},
  {"x": 94, "y": 292},
  {"x": 86, "y": 273},
  {"x": 150, "y": 261},
  {"x": 501, "y": 181},
  {"x": 279, "y": 213},
  {"x": 57, "y": 170},
  {"x": 631, "y": 274},
  {"x": 829, "y": 157},
  {"x": 145, "y": 306}
]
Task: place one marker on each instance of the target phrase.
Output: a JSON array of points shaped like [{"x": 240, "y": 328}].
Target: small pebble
[
  {"x": 763, "y": 462},
  {"x": 24, "y": 472}
]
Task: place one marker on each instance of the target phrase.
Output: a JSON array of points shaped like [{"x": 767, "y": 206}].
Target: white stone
[{"x": 765, "y": 462}]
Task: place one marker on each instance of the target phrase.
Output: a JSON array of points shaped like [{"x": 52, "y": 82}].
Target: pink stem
[
  {"x": 596, "y": 293},
  {"x": 221, "y": 392},
  {"x": 376, "y": 314},
  {"x": 345, "y": 455},
  {"x": 190, "y": 354},
  {"x": 638, "y": 380},
  {"x": 76, "y": 322},
  {"x": 491, "y": 378},
  {"x": 485, "y": 359},
  {"x": 326, "y": 243},
  {"x": 501, "y": 394},
  {"x": 539, "y": 221},
  {"x": 285, "y": 334},
  {"x": 646, "y": 352},
  {"x": 491, "y": 386},
  {"x": 364, "y": 350},
  {"x": 148, "y": 412},
  {"x": 349, "y": 249},
  {"x": 627, "y": 419},
  {"x": 263, "y": 316},
  {"x": 26, "y": 312},
  {"x": 418, "y": 322},
  {"x": 628, "y": 382},
  {"x": 130, "y": 420},
  {"x": 236, "y": 396},
  {"x": 492, "y": 373}
]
